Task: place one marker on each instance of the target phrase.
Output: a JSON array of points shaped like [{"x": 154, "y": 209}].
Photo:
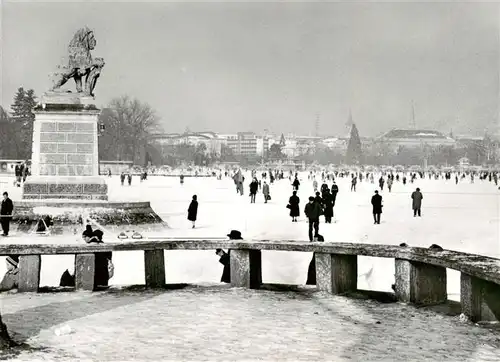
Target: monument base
[
  {"x": 70, "y": 188},
  {"x": 68, "y": 215}
]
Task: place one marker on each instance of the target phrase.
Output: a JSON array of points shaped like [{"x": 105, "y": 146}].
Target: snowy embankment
[{"x": 463, "y": 217}]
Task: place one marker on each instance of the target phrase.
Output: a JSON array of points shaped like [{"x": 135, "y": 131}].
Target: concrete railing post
[
  {"x": 336, "y": 273},
  {"x": 480, "y": 299},
  {"x": 246, "y": 268},
  {"x": 154, "y": 268},
  {"x": 29, "y": 273},
  {"x": 85, "y": 271},
  {"x": 420, "y": 283}
]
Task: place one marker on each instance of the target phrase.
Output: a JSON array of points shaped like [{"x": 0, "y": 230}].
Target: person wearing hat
[
  {"x": 10, "y": 279},
  {"x": 225, "y": 257},
  {"x": 377, "y": 207}
]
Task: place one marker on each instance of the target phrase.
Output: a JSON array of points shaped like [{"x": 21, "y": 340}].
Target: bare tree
[{"x": 128, "y": 124}]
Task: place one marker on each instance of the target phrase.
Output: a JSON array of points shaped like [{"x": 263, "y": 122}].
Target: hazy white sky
[{"x": 248, "y": 66}]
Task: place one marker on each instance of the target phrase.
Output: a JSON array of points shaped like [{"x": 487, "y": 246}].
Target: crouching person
[
  {"x": 11, "y": 278},
  {"x": 104, "y": 268}
]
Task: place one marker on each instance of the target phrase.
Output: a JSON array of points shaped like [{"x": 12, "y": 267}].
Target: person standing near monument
[
  {"x": 6, "y": 213},
  {"x": 417, "y": 197},
  {"x": 377, "y": 207}
]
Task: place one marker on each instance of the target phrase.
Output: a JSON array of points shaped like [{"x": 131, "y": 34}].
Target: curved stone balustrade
[{"x": 420, "y": 272}]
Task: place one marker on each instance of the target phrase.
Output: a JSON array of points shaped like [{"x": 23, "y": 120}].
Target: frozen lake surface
[{"x": 462, "y": 217}]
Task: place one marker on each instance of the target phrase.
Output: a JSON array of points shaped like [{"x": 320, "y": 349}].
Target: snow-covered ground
[{"x": 462, "y": 217}]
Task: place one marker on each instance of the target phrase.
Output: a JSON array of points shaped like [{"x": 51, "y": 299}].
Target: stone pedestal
[{"x": 64, "y": 163}]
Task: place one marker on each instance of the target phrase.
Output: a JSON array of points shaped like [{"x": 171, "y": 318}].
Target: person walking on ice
[
  {"x": 377, "y": 207},
  {"x": 265, "y": 191},
  {"x": 417, "y": 198},
  {"x": 313, "y": 212},
  {"x": 193, "y": 210}
]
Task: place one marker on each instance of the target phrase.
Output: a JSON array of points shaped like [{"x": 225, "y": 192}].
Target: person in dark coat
[
  {"x": 417, "y": 198},
  {"x": 293, "y": 205},
  {"x": 254, "y": 187},
  {"x": 225, "y": 258},
  {"x": 6, "y": 213},
  {"x": 313, "y": 212},
  {"x": 335, "y": 191},
  {"x": 193, "y": 210},
  {"x": 296, "y": 184},
  {"x": 328, "y": 206},
  {"x": 377, "y": 207}
]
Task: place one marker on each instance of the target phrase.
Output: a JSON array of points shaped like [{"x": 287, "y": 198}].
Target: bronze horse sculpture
[{"x": 80, "y": 64}]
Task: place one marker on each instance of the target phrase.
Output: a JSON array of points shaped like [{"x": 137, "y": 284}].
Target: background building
[{"x": 414, "y": 138}]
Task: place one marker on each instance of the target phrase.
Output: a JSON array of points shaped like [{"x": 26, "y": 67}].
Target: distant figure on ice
[
  {"x": 315, "y": 185},
  {"x": 254, "y": 187},
  {"x": 296, "y": 184},
  {"x": 182, "y": 179},
  {"x": 417, "y": 197},
  {"x": 129, "y": 178},
  {"x": 381, "y": 183},
  {"x": 18, "y": 170},
  {"x": 354, "y": 181},
  {"x": 389, "y": 184},
  {"x": 293, "y": 205},
  {"x": 225, "y": 258},
  {"x": 335, "y": 191},
  {"x": 6, "y": 213},
  {"x": 193, "y": 210},
  {"x": 328, "y": 205},
  {"x": 312, "y": 212},
  {"x": 377, "y": 207},
  {"x": 265, "y": 191},
  {"x": 122, "y": 178}
]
